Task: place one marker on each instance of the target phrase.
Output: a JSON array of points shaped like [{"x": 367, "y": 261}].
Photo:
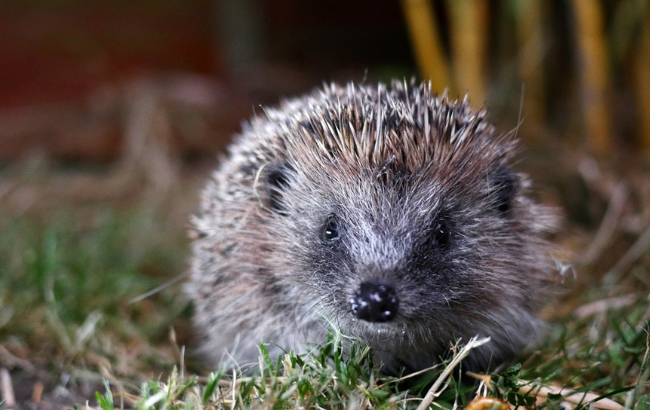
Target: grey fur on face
[{"x": 391, "y": 213}]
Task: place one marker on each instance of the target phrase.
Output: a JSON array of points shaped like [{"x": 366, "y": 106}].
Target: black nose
[{"x": 374, "y": 302}]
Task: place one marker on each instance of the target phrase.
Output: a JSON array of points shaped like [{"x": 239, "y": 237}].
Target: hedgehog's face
[{"x": 397, "y": 253}]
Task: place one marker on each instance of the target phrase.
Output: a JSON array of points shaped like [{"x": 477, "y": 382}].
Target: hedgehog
[{"x": 388, "y": 213}]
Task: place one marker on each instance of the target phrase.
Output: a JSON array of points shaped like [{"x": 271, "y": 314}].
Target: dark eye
[
  {"x": 442, "y": 234},
  {"x": 331, "y": 229}
]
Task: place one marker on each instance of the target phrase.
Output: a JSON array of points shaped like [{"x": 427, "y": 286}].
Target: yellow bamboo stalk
[
  {"x": 594, "y": 74},
  {"x": 425, "y": 40},
  {"x": 528, "y": 20},
  {"x": 642, "y": 74},
  {"x": 468, "y": 30}
]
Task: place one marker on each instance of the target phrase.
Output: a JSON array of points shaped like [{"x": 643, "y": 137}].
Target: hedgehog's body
[{"x": 389, "y": 213}]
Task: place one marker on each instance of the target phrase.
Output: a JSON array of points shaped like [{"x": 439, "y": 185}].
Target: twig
[
  {"x": 634, "y": 253},
  {"x": 608, "y": 225},
  {"x": 12, "y": 360},
  {"x": 603, "y": 305}
]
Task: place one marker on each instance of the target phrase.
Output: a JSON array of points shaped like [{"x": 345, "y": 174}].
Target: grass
[
  {"x": 69, "y": 276},
  {"x": 324, "y": 378},
  {"x": 66, "y": 280}
]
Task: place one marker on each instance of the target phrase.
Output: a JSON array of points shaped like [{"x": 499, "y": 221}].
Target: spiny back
[
  {"x": 406, "y": 125},
  {"x": 390, "y": 213}
]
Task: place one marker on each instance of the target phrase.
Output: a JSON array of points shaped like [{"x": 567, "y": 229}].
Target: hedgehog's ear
[
  {"x": 277, "y": 181},
  {"x": 503, "y": 187}
]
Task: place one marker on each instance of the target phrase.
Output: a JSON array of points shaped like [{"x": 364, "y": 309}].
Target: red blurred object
[{"x": 61, "y": 52}]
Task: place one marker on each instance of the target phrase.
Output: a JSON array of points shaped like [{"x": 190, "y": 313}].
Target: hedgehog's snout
[{"x": 374, "y": 302}]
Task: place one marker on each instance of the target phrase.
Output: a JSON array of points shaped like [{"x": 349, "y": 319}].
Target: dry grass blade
[
  {"x": 632, "y": 255},
  {"x": 571, "y": 396},
  {"x": 458, "y": 357},
  {"x": 604, "y": 305},
  {"x": 7, "y": 388}
]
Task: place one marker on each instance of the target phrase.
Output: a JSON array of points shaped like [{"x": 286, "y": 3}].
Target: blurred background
[
  {"x": 74, "y": 74},
  {"x": 112, "y": 114}
]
